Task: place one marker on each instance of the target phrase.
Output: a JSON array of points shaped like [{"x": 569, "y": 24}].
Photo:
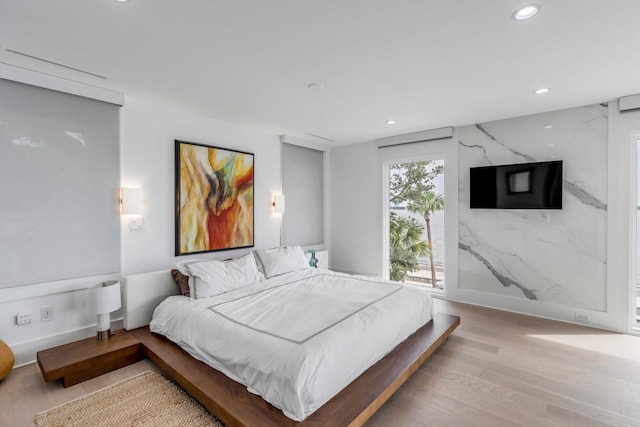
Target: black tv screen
[{"x": 518, "y": 186}]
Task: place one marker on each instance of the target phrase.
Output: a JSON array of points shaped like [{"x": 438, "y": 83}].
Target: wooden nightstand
[{"x": 82, "y": 360}]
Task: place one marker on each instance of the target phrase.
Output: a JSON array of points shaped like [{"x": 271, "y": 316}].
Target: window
[{"x": 59, "y": 182}]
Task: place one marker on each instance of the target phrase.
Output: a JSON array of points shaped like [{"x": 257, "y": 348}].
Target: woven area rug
[{"x": 147, "y": 399}]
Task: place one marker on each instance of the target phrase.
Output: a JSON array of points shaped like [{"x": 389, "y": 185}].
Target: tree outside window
[{"x": 411, "y": 187}]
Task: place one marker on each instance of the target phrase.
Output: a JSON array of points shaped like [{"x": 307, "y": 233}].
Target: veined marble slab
[{"x": 556, "y": 256}]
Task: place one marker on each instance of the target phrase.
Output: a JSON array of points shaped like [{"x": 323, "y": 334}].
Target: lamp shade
[{"x": 105, "y": 297}]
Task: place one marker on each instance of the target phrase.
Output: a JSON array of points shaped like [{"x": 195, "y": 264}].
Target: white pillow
[
  {"x": 217, "y": 277},
  {"x": 283, "y": 260}
]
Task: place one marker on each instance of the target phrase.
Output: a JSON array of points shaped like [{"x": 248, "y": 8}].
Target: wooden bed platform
[{"x": 232, "y": 403}]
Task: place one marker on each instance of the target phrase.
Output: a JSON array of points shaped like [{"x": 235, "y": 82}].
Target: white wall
[
  {"x": 148, "y": 130},
  {"x": 148, "y": 134},
  {"x": 72, "y": 319},
  {"x": 355, "y": 215},
  {"x": 356, "y": 241}
]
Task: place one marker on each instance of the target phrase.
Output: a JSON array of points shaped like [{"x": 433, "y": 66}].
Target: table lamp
[{"x": 105, "y": 298}]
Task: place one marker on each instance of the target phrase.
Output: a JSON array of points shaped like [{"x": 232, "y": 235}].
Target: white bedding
[{"x": 299, "y": 338}]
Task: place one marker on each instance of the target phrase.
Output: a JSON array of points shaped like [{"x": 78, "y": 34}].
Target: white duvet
[{"x": 299, "y": 338}]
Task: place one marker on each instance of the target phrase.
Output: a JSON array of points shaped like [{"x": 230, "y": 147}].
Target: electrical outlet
[
  {"x": 582, "y": 317},
  {"x": 46, "y": 314},
  {"x": 23, "y": 319}
]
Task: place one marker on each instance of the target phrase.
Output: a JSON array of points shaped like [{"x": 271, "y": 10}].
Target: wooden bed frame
[{"x": 232, "y": 403}]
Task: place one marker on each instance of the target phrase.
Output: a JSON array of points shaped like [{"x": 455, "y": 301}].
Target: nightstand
[{"x": 82, "y": 360}]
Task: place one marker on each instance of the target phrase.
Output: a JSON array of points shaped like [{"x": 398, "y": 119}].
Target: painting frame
[{"x": 214, "y": 198}]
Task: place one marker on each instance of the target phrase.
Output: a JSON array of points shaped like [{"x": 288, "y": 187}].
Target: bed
[{"x": 346, "y": 336}]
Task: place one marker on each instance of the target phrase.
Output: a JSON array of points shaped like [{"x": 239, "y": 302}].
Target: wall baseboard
[{"x": 545, "y": 310}]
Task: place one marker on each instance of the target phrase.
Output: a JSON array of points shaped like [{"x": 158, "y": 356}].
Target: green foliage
[
  {"x": 412, "y": 183},
  {"x": 408, "y": 180},
  {"x": 426, "y": 203},
  {"x": 406, "y": 245}
]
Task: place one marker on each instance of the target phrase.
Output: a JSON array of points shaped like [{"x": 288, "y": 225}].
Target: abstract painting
[{"x": 214, "y": 198}]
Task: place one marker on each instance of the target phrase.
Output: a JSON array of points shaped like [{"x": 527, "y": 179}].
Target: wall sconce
[
  {"x": 131, "y": 201},
  {"x": 278, "y": 204},
  {"x": 131, "y": 204},
  {"x": 105, "y": 298}
]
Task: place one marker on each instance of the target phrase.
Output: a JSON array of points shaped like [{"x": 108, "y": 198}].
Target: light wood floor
[{"x": 497, "y": 368}]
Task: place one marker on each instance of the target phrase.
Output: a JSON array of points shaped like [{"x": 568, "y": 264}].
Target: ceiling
[{"x": 424, "y": 63}]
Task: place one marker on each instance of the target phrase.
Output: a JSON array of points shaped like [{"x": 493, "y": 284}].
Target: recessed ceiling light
[
  {"x": 548, "y": 126},
  {"x": 525, "y": 12},
  {"x": 315, "y": 86},
  {"x": 551, "y": 145},
  {"x": 122, "y": 1},
  {"x": 390, "y": 122},
  {"x": 541, "y": 91}
]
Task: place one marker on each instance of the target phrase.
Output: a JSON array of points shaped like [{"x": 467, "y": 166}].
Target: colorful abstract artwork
[{"x": 214, "y": 198}]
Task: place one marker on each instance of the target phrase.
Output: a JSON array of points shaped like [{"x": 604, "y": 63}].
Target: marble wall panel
[{"x": 554, "y": 256}]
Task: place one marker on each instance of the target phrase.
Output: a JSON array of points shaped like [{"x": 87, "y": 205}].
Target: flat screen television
[{"x": 517, "y": 186}]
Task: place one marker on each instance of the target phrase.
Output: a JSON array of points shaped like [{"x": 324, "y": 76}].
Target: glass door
[{"x": 416, "y": 223}]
